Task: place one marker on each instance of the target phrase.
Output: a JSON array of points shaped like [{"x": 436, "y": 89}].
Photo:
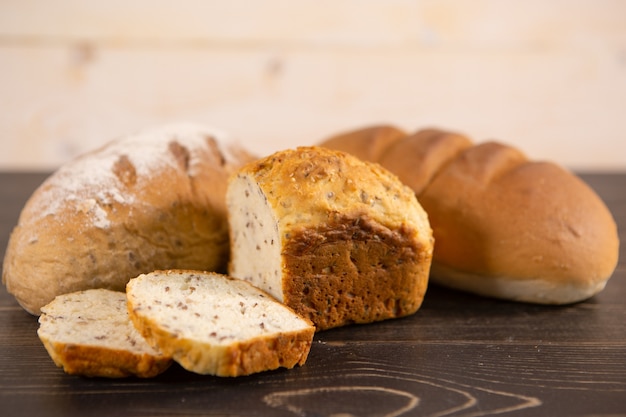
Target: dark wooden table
[{"x": 460, "y": 355}]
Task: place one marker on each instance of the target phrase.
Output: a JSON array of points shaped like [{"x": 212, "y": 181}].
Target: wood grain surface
[{"x": 459, "y": 355}]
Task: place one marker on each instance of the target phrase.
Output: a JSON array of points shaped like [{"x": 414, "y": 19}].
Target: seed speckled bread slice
[
  {"x": 89, "y": 333},
  {"x": 218, "y": 325}
]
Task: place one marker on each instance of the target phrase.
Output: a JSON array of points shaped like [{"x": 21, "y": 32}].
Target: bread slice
[
  {"x": 89, "y": 333},
  {"x": 214, "y": 324},
  {"x": 339, "y": 240}
]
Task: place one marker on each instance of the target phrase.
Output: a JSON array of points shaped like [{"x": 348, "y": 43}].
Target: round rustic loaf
[
  {"x": 152, "y": 200},
  {"x": 505, "y": 226}
]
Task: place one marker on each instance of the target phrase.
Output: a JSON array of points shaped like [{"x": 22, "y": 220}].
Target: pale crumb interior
[
  {"x": 210, "y": 308},
  {"x": 96, "y": 317},
  {"x": 255, "y": 242}
]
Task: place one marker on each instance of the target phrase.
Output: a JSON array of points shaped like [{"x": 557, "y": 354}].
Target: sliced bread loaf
[
  {"x": 89, "y": 333},
  {"x": 339, "y": 240},
  {"x": 214, "y": 324}
]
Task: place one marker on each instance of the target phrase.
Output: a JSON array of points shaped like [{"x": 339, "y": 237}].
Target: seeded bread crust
[
  {"x": 89, "y": 333},
  {"x": 338, "y": 240},
  {"x": 354, "y": 271},
  {"x": 217, "y": 325},
  {"x": 150, "y": 200}
]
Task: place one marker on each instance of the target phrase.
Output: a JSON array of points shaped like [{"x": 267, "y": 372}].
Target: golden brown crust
[
  {"x": 91, "y": 361},
  {"x": 504, "y": 226},
  {"x": 367, "y": 144},
  {"x": 522, "y": 219},
  {"x": 286, "y": 351},
  {"x": 354, "y": 270},
  {"x": 310, "y": 184},
  {"x": 417, "y": 158}
]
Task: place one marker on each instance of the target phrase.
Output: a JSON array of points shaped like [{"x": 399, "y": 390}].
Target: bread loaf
[
  {"x": 89, "y": 333},
  {"x": 504, "y": 226},
  {"x": 214, "y": 324},
  {"x": 339, "y": 240},
  {"x": 152, "y": 200}
]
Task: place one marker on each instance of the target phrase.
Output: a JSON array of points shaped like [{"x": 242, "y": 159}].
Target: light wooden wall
[{"x": 546, "y": 76}]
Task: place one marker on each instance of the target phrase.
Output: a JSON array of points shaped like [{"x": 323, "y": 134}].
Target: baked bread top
[{"x": 307, "y": 184}]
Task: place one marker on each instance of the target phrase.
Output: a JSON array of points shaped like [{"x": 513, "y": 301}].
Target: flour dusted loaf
[
  {"x": 214, "y": 324},
  {"x": 504, "y": 226},
  {"x": 339, "y": 240},
  {"x": 89, "y": 333},
  {"x": 152, "y": 200}
]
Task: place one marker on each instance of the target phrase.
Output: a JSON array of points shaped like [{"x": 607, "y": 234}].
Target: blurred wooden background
[{"x": 546, "y": 76}]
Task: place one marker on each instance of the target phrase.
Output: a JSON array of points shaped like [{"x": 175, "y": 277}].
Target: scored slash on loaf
[
  {"x": 214, "y": 324},
  {"x": 149, "y": 200}
]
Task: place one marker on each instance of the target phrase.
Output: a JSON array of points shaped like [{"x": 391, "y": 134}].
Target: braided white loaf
[{"x": 504, "y": 226}]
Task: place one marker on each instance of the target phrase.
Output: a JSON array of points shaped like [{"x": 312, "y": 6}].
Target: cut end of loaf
[
  {"x": 339, "y": 240},
  {"x": 255, "y": 241},
  {"x": 214, "y": 324}
]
